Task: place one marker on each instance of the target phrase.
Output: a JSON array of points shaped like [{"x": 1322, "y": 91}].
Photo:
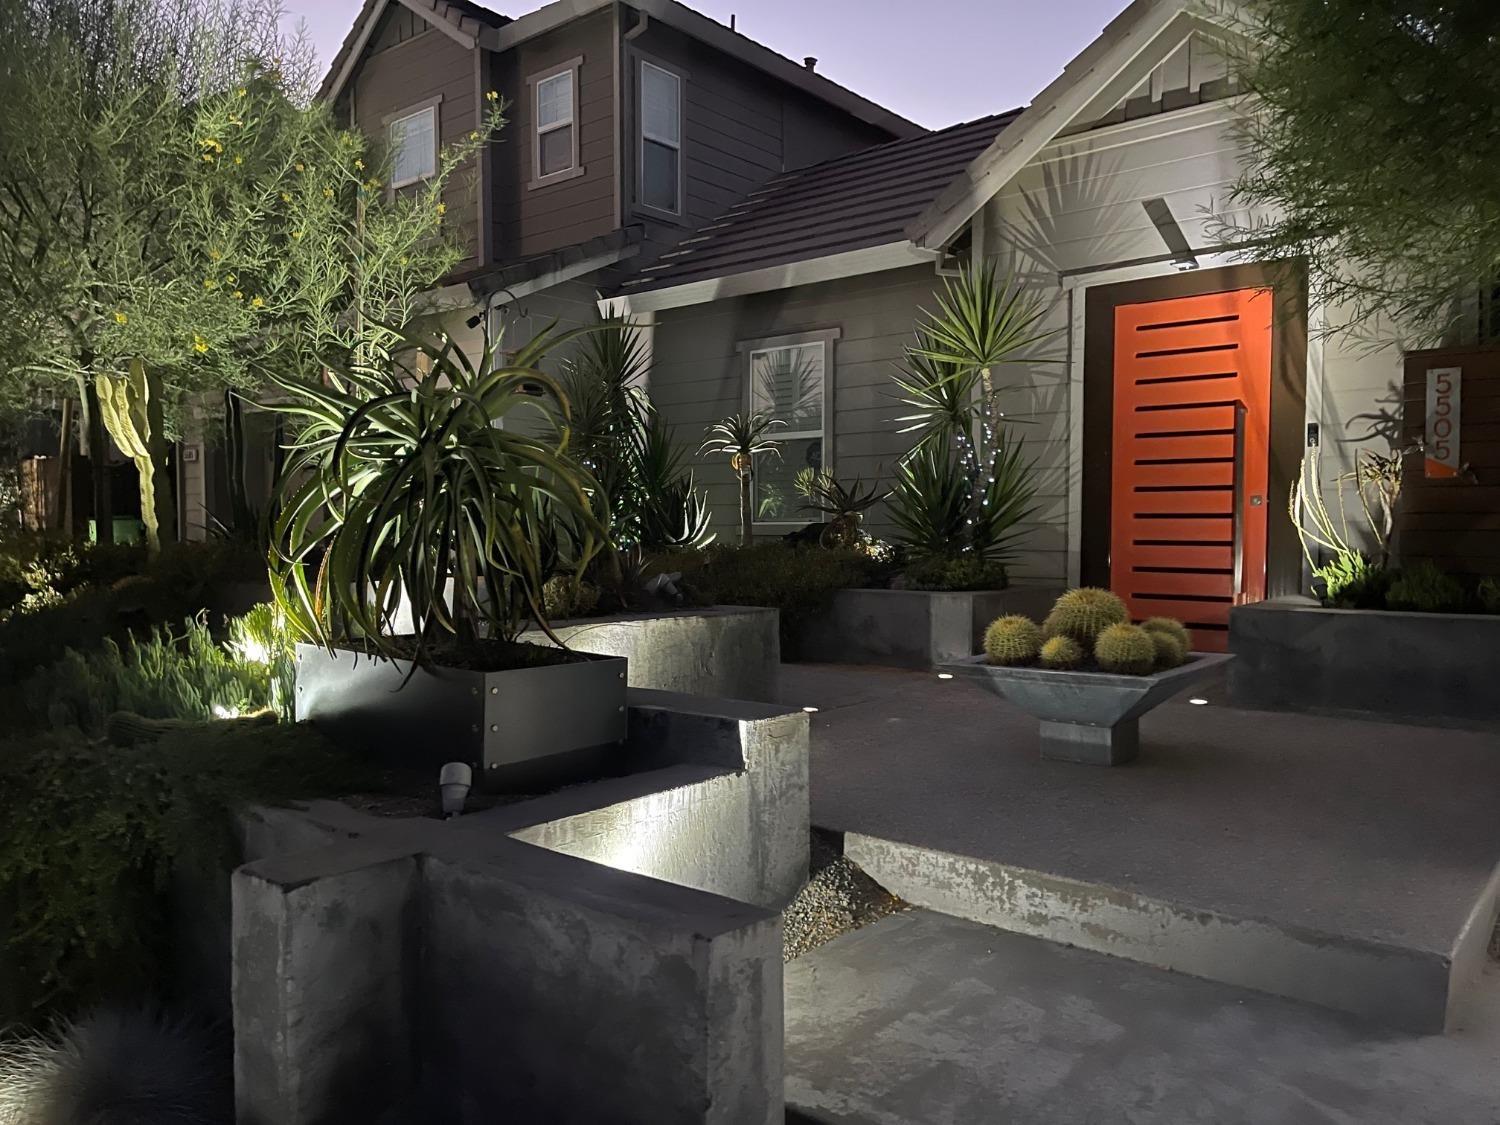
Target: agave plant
[
  {"x": 743, "y": 438},
  {"x": 931, "y": 504},
  {"x": 401, "y": 480},
  {"x": 845, "y": 504},
  {"x": 675, "y": 512}
]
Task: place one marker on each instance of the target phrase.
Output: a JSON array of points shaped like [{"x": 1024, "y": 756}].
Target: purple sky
[{"x": 935, "y": 61}]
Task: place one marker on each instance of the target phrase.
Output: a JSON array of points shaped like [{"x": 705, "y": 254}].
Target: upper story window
[
  {"x": 412, "y": 135},
  {"x": 787, "y": 378},
  {"x": 554, "y": 97},
  {"x": 661, "y": 139}
]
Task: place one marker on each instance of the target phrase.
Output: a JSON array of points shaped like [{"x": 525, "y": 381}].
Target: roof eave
[{"x": 347, "y": 60}]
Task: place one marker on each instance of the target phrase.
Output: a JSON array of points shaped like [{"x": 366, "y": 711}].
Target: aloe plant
[
  {"x": 402, "y": 479},
  {"x": 845, "y": 504}
]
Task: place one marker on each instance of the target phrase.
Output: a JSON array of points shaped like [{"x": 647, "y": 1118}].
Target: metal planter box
[
  {"x": 1088, "y": 717},
  {"x": 523, "y": 729}
]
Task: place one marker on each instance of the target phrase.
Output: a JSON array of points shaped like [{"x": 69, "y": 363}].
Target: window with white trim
[
  {"x": 787, "y": 379},
  {"x": 556, "y": 124},
  {"x": 661, "y": 139},
  {"x": 413, "y": 141}
]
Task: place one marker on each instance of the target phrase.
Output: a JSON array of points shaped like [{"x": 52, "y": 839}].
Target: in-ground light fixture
[{"x": 454, "y": 782}]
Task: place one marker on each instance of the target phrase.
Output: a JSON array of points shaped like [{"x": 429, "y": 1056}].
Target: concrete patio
[{"x": 1346, "y": 863}]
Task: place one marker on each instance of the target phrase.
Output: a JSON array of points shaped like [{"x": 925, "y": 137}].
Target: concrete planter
[
  {"x": 526, "y": 728},
  {"x": 727, "y": 652},
  {"x": 1088, "y": 717},
  {"x": 1294, "y": 655},
  {"x": 911, "y": 628}
]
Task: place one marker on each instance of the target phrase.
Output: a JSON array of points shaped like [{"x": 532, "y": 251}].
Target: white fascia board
[
  {"x": 833, "y": 267},
  {"x": 425, "y": 13},
  {"x": 1082, "y": 80}
]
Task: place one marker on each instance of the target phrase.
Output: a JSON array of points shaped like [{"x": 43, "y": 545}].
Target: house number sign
[{"x": 1444, "y": 410}]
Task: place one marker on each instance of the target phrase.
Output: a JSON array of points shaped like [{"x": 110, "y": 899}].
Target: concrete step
[{"x": 1408, "y": 986}]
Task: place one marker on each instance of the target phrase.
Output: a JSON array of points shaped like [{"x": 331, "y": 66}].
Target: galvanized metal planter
[
  {"x": 1088, "y": 717},
  {"x": 525, "y": 729}
]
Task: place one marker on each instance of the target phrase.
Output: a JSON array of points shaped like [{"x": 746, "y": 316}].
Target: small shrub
[
  {"x": 936, "y": 572},
  {"x": 1170, "y": 652},
  {"x": 1352, "y": 581},
  {"x": 1489, "y": 595},
  {"x": 1425, "y": 589},
  {"x": 565, "y": 596},
  {"x": 1126, "y": 649},
  {"x": 1173, "y": 628},
  {"x": 1061, "y": 653},
  {"x": 1085, "y": 613},
  {"x": 1012, "y": 640}
]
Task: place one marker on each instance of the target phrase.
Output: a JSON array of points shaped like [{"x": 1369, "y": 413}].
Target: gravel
[{"x": 839, "y": 897}]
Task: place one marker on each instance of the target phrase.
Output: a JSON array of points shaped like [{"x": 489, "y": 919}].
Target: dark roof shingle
[{"x": 866, "y": 198}]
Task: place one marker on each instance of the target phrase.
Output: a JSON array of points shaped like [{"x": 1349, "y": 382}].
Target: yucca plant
[
  {"x": 743, "y": 438},
  {"x": 401, "y": 480},
  {"x": 932, "y": 505},
  {"x": 844, "y": 504}
]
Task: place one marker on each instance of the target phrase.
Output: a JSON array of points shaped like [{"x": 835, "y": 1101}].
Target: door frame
[{"x": 1289, "y": 349}]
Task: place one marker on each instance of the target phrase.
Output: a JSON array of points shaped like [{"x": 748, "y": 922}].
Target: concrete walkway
[
  {"x": 921, "y": 1019},
  {"x": 1384, "y": 832}
]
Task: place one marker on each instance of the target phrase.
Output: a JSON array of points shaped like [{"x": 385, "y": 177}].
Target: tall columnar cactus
[
  {"x": 1126, "y": 650},
  {"x": 131, "y": 407},
  {"x": 1062, "y": 653},
  {"x": 1012, "y": 640},
  {"x": 1085, "y": 613}
]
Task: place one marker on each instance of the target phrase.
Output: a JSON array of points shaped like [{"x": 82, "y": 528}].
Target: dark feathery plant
[
  {"x": 743, "y": 438},
  {"x": 400, "y": 480},
  {"x": 965, "y": 486},
  {"x": 844, "y": 504}
]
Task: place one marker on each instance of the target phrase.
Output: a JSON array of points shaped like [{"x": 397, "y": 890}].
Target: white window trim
[
  {"x": 571, "y": 68},
  {"x": 641, "y": 138},
  {"x": 747, "y": 350},
  {"x": 429, "y": 106}
]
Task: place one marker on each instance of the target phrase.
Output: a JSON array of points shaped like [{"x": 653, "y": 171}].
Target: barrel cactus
[
  {"x": 1126, "y": 649},
  {"x": 1084, "y": 613},
  {"x": 1012, "y": 640},
  {"x": 1172, "y": 627},
  {"x": 1169, "y": 650},
  {"x": 126, "y": 728},
  {"x": 1062, "y": 653}
]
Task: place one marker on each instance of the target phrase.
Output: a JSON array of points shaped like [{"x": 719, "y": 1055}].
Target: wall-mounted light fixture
[{"x": 1160, "y": 214}]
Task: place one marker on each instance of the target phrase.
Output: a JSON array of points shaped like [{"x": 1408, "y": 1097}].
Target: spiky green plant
[
  {"x": 1424, "y": 588},
  {"x": 932, "y": 505},
  {"x": 1084, "y": 613},
  {"x": 675, "y": 511},
  {"x": 401, "y": 480},
  {"x": 845, "y": 503},
  {"x": 1126, "y": 650},
  {"x": 1172, "y": 627},
  {"x": 1170, "y": 652},
  {"x": 743, "y": 438},
  {"x": 1061, "y": 653},
  {"x": 1012, "y": 640}
]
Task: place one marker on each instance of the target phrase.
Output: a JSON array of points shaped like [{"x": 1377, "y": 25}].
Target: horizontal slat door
[{"x": 1192, "y": 397}]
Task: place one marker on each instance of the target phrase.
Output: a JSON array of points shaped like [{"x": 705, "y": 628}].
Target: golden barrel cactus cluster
[{"x": 1089, "y": 625}]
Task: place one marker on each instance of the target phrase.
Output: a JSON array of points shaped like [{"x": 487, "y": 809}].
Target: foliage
[
  {"x": 1061, "y": 654},
  {"x": 567, "y": 595},
  {"x": 1126, "y": 649},
  {"x": 261, "y": 640},
  {"x": 743, "y": 438},
  {"x": 932, "y": 504},
  {"x": 95, "y": 832},
  {"x": 1352, "y": 581},
  {"x": 934, "y": 572},
  {"x": 1488, "y": 594},
  {"x": 1349, "y": 576},
  {"x": 1172, "y": 628},
  {"x": 1012, "y": 640},
  {"x": 845, "y": 503},
  {"x": 38, "y": 569},
  {"x": 1084, "y": 614},
  {"x": 675, "y": 513},
  {"x": 1426, "y": 589},
  {"x": 1372, "y": 152},
  {"x": 400, "y": 480}
]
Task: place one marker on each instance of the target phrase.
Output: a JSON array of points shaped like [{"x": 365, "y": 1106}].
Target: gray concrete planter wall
[
  {"x": 1294, "y": 655},
  {"x": 725, "y": 652},
  {"x": 912, "y": 628}
]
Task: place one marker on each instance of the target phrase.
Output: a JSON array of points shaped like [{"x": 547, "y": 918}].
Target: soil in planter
[{"x": 838, "y": 898}]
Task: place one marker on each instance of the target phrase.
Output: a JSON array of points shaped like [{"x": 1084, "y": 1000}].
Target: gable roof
[
  {"x": 853, "y": 202},
  {"x": 472, "y": 23}
]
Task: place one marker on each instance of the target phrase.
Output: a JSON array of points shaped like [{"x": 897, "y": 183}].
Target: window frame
[
  {"x": 570, "y": 68},
  {"x": 432, "y": 106},
  {"x": 679, "y": 214},
  {"x": 747, "y": 350}
]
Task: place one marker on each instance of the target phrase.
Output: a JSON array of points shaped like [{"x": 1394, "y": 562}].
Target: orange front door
[{"x": 1192, "y": 416}]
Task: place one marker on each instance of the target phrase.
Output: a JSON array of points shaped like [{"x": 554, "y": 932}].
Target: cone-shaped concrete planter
[{"x": 1087, "y": 717}]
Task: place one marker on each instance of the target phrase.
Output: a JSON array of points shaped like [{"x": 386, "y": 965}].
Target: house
[
  {"x": 1169, "y": 410},
  {"x": 630, "y": 126}
]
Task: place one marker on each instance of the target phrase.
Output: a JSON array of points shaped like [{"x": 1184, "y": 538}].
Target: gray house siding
[{"x": 697, "y": 378}]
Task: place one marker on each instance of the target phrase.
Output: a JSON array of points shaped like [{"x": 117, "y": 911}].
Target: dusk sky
[{"x": 936, "y": 62}]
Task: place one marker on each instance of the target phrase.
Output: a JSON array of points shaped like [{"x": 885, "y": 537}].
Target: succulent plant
[
  {"x": 1012, "y": 640},
  {"x": 1084, "y": 613},
  {"x": 1169, "y": 650},
  {"x": 1173, "y": 628},
  {"x": 126, "y": 728},
  {"x": 1062, "y": 653},
  {"x": 565, "y": 596},
  {"x": 1126, "y": 649}
]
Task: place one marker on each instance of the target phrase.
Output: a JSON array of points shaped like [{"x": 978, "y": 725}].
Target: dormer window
[
  {"x": 661, "y": 139},
  {"x": 554, "y": 99},
  {"x": 412, "y": 136}
]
